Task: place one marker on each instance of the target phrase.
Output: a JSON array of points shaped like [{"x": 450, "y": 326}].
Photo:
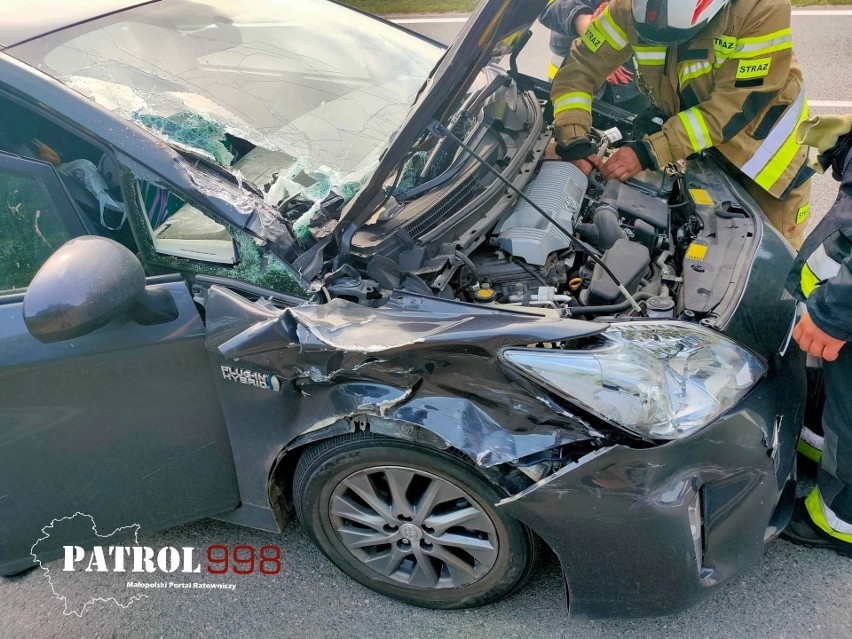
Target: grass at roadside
[{"x": 465, "y": 6}]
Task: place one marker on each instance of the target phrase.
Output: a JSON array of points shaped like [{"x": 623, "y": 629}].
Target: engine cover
[{"x": 558, "y": 188}]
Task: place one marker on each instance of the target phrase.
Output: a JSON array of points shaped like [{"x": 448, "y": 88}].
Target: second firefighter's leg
[
  {"x": 790, "y": 216},
  {"x": 811, "y": 441},
  {"x": 824, "y": 520},
  {"x": 830, "y": 504}
]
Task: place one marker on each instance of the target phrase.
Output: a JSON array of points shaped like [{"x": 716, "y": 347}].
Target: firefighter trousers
[{"x": 834, "y": 479}]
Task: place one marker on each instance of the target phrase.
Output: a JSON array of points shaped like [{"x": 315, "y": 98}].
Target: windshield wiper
[
  {"x": 470, "y": 108},
  {"x": 449, "y": 173}
]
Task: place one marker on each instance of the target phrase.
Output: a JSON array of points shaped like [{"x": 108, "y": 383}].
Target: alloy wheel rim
[{"x": 413, "y": 527}]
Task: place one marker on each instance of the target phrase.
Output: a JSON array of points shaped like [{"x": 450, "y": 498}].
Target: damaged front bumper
[
  {"x": 640, "y": 529},
  {"x": 647, "y": 532}
]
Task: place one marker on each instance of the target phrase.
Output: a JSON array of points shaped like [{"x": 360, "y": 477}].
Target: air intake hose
[{"x": 604, "y": 231}]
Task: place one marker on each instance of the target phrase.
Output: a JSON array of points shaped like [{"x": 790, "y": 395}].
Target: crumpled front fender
[{"x": 418, "y": 360}]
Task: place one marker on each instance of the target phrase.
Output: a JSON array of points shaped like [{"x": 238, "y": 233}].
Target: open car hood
[{"x": 493, "y": 30}]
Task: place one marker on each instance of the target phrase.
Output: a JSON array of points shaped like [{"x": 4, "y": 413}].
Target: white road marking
[
  {"x": 831, "y": 104},
  {"x": 822, "y": 12},
  {"x": 463, "y": 19},
  {"x": 456, "y": 20}
]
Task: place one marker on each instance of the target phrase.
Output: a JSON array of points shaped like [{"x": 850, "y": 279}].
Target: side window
[
  {"x": 31, "y": 226},
  {"x": 88, "y": 173},
  {"x": 181, "y": 230}
]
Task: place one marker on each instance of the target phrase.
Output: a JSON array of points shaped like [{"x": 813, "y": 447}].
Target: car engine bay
[
  {"x": 673, "y": 247},
  {"x": 450, "y": 228},
  {"x": 663, "y": 235},
  {"x": 528, "y": 262}
]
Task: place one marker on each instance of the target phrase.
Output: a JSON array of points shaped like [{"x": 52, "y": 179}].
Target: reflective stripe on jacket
[
  {"x": 735, "y": 87},
  {"x": 556, "y": 61},
  {"x": 822, "y": 272}
]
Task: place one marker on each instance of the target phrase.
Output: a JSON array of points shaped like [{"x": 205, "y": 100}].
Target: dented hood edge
[{"x": 238, "y": 328}]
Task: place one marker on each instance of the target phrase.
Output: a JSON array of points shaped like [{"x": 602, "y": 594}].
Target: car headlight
[{"x": 659, "y": 379}]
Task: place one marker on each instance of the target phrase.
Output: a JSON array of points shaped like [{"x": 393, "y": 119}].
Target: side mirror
[{"x": 87, "y": 283}]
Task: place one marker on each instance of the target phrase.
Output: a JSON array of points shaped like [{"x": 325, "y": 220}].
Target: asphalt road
[{"x": 792, "y": 593}]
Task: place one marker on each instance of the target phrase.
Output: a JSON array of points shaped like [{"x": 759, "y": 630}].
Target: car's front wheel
[{"x": 412, "y": 523}]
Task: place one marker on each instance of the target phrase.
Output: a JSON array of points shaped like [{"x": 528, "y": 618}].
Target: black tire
[{"x": 326, "y": 473}]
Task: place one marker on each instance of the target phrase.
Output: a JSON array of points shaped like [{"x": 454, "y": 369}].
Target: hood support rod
[{"x": 440, "y": 131}]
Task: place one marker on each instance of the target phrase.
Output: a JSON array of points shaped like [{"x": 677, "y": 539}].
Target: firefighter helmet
[{"x": 670, "y": 21}]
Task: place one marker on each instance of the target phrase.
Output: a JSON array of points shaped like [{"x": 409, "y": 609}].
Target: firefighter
[
  {"x": 822, "y": 278},
  {"x": 723, "y": 75},
  {"x": 567, "y": 21}
]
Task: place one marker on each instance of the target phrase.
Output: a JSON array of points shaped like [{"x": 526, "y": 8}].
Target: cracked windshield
[{"x": 298, "y": 97}]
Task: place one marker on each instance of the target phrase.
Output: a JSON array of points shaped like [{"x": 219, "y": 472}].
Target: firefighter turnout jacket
[
  {"x": 822, "y": 272},
  {"x": 735, "y": 87}
]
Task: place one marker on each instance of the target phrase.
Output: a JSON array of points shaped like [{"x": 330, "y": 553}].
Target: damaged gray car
[{"x": 269, "y": 259}]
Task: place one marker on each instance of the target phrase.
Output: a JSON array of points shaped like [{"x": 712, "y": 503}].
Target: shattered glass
[
  {"x": 300, "y": 97},
  {"x": 256, "y": 265},
  {"x": 192, "y": 130},
  {"x": 411, "y": 172},
  {"x": 314, "y": 186}
]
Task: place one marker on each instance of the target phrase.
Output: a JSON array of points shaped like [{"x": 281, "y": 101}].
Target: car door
[{"x": 123, "y": 424}]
